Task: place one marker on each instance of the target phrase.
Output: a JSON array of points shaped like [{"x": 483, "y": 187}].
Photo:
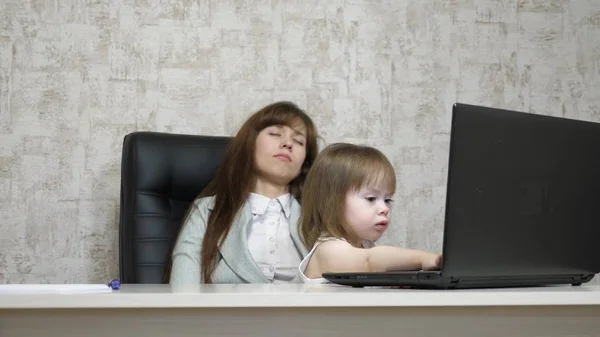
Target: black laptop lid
[{"x": 523, "y": 194}]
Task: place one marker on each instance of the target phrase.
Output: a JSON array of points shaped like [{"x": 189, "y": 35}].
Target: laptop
[{"x": 522, "y": 205}]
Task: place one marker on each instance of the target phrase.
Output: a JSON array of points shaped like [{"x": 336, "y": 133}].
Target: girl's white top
[{"x": 304, "y": 263}]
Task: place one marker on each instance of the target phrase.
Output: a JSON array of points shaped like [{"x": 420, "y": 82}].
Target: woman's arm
[
  {"x": 186, "y": 254},
  {"x": 341, "y": 257}
]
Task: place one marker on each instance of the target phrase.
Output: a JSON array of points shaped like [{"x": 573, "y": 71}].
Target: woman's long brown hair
[{"x": 235, "y": 178}]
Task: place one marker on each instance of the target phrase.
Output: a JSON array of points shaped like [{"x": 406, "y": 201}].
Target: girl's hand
[{"x": 432, "y": 261}]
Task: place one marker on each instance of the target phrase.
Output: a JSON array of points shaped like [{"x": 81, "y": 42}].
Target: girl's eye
[
  {"x": 389, "y": 201},
  {"x": 299, "y": 142},
  {"x": 371, "y": 199},
  {"x": 274, "y": 134}
]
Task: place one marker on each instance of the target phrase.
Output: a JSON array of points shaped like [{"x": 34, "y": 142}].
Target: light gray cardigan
[{"x": 237, "y": 264}]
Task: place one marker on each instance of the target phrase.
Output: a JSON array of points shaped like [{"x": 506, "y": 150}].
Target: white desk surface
[{"x": 300, "y": 295}]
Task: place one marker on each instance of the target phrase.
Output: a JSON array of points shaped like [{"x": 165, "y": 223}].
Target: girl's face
[
  {"x": 367, "y": 213},
  {"x": 280, "y": 153}
]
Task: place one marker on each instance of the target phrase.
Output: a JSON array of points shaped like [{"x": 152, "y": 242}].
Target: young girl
[
  {"x": 347, "y": 198},
  {"x": 243, "y": 227}
]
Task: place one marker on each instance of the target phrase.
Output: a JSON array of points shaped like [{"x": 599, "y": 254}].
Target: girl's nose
[{"x": 384, "y": 210}]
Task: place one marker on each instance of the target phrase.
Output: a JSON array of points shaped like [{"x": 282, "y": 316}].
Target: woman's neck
[{"x": 268, "y": 189}]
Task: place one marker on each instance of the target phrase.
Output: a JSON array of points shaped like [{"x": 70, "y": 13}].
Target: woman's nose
[{"x": 286, "y": 142}]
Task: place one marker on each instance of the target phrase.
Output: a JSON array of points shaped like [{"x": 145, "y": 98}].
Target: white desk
[{"x": 302, "y": 310}]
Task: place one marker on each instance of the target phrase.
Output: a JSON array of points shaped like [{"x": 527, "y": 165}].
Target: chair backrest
[{"x": 161, "y": 174}]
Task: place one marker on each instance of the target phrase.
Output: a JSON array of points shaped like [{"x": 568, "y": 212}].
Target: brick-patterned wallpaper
[{"x": 76, "y": 76}]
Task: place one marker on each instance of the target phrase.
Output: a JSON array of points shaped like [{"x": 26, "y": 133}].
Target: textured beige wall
[{"x": 76, "y": 76}]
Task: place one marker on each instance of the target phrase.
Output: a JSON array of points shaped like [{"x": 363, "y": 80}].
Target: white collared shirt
[{"x": 269, "y": 238}]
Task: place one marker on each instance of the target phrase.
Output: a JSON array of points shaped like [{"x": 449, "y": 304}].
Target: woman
[{"x": 243, "y": 227}]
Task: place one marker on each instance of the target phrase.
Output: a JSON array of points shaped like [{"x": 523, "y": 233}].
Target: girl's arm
[{"x": 338, "y": 256}]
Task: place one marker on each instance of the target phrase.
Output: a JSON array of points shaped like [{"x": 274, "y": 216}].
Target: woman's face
[{"x": 280, "y": 153}]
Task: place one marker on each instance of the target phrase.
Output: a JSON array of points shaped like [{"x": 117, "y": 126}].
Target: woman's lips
[{"x": 283, "y": 157}]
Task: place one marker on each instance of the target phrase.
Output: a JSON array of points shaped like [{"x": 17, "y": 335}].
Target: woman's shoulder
[
  {"x": 198, "y": 211},
  {"x": 205, "y": 202}
]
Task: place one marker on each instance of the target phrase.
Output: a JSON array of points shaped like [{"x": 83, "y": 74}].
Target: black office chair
[{"x": 161, "y": 174}]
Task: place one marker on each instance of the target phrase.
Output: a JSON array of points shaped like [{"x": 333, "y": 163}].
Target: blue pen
[{"x": 114, "y": 284}]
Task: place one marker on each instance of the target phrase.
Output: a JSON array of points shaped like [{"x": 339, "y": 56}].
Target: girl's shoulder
[
  {"x": 329, "y": 238},
  {"x": 306, "y": 260},
  {"x": 330, "y": 245},
  {"x": 366, "y": 243},
  {"x": 322, "y": 240}
]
